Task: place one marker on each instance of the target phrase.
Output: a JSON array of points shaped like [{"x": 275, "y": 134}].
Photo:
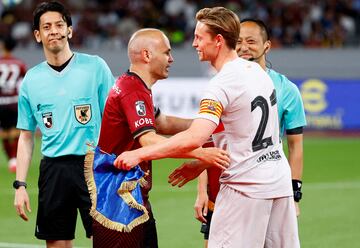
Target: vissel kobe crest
[
  {"x": 83, "y": 113},
  {"x": 140, "y": 108}
]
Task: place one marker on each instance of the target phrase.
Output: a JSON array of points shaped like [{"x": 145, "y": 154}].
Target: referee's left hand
[{"x": 22, "y": 200}]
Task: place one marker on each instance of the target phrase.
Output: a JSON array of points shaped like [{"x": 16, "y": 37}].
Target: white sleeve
[{"x": 213, "y": 101}]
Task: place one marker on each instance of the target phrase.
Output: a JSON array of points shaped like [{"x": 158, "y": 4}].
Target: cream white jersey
[{"x": 242, "y": 96}]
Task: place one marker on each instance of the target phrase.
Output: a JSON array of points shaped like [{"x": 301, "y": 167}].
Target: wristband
[
  {"x": 297, "y": 184},
  {"x": 17, "y": 184}
]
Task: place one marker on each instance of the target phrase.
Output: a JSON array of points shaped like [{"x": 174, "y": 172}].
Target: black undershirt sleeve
[{"x": 297, "y": 130}]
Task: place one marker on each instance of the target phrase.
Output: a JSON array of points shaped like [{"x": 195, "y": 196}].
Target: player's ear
[
  {"x": 37, "y": 36},
  {"x": 219, "y": 40},
  {"x": 146, "y": 55}
]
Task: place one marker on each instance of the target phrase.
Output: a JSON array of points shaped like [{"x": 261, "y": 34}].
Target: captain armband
[{"x": 212, "y": 107}]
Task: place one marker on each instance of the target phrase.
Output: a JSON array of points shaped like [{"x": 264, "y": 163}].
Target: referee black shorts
[
  {"x": 205, "y": 227},
  {"x": 62, "y": 191}
]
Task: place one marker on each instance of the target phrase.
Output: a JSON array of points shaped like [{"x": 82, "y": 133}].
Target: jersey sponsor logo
[
  {"x": 270, "y": 156},
  {"x": 83, "y": 113},
  {"x": 143, "y": 121},
  {"x": 140, "y": 108},
  {"x": 209, "y": 106},
  {"x": 47, "y": 119}
]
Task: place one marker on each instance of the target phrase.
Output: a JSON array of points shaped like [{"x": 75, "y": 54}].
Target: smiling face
[
  {"x": 204, "y": 43},
  {"x": 53, "y": 32},
  {"x": 251, "y": 43}
]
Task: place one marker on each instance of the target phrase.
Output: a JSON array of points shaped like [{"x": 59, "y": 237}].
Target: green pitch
[{"x": 329, "y": 210}]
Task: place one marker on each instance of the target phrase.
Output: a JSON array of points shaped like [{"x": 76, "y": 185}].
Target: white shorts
[{"x": 239, "y": 221}]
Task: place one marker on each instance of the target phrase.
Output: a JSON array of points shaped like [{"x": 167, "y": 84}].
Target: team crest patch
[
  {"x": 140, "y": 108},
  {"x": 83, "y": 113},
  {"x": 47, "y": 119}
]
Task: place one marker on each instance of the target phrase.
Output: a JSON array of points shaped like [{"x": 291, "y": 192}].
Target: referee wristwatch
[{"x": 17, "y": 184}]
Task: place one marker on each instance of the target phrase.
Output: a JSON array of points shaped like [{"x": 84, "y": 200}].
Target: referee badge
[
  {"x": 140, "y": 108},
  {"x": 47, "y": 119},
  {"x": 83, "y": 113}
]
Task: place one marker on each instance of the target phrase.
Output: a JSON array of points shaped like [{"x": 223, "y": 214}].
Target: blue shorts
[{"x": 62, "y": 192}]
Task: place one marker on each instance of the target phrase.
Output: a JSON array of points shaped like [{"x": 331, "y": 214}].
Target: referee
[{"x": 64, "y": 97}]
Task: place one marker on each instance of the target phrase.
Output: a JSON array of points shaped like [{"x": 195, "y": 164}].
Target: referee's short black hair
[
  {"x": 264, "y": 30},
  {"x": 50, "y": 6}
]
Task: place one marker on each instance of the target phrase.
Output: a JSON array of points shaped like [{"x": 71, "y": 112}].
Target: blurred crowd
[{"x": 100, "y": 23}]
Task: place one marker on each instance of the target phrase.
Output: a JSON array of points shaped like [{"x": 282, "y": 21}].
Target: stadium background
[{"x": 316, "y": 43}]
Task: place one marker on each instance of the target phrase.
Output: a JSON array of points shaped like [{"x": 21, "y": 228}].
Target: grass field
[{"x": 329, "y": 209}]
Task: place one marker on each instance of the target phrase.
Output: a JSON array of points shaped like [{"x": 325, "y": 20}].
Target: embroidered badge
[
  {"x": 83, "y": 113},
  {"x": 140, "y": 108},
  {"x": 47, "y": 119}
]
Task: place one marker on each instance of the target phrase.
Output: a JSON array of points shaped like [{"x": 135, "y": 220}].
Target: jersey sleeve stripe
[{"x": 143, "y": 130}]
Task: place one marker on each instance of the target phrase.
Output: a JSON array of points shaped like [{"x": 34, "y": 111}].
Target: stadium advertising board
[{"x": 329, "y": 103}]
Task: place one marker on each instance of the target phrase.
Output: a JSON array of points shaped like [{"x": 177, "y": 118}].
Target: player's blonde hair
[{"x": 221, "y": 21}]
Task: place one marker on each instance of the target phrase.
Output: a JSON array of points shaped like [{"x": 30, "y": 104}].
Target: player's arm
[
  {"x": 202, "y": 199},
  {"x": 295, "y": 158},
  {"x": 295, "y": 120},
  {"x": 170, "y": 125},
  {"x": 150, "y": 138},
  {"x": 182, "y": 145},
  {"x": 24, "y": 155}
]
